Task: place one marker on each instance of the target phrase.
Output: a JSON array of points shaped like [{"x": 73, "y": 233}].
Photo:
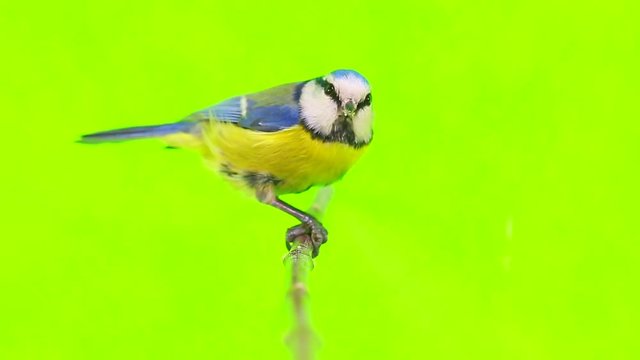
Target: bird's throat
[{"x": 341, "y": 132}]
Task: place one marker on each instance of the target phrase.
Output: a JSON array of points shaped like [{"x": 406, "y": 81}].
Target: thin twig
[{"x": 299, "y": 262}]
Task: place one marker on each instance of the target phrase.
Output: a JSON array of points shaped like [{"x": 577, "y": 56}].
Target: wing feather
[{"x": 269, "y": 110}]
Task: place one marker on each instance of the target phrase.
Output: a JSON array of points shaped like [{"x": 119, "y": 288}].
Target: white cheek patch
[
  {"x": 362, "y": 125},
  {"x": 317, "y": 109}
]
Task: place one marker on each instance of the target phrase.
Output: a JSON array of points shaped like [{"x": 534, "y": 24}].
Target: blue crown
[{"x": 345, "y": 73}]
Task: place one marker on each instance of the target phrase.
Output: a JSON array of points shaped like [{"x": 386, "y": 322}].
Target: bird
[{"x": 282, "y": 140}]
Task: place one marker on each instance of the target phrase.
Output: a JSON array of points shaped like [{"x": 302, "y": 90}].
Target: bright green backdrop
[{"x": 494, "y": 217}]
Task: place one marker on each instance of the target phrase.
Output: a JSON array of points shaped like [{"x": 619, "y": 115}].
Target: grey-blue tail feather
[{"x": 138, "y": 132}]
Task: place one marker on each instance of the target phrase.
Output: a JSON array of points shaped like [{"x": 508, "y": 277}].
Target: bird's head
[{"x": 337, "y": 107}]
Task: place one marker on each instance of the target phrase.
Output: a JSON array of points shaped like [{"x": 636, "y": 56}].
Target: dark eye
[
  {"x": 330, "y": 90},
  {"x": 365, "y": 102},
  {"x": 367, "y": 99}
]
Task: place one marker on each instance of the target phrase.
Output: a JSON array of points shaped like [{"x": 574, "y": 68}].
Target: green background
[{"x": 495, "y": 216}]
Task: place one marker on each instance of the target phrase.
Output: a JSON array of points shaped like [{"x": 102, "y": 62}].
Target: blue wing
[{"x": 269, "y": 110}]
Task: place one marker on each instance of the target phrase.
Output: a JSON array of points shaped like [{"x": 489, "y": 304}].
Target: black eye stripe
[
  {"x": 365, "y": 102},
  {"x": 329, "y": 90}
]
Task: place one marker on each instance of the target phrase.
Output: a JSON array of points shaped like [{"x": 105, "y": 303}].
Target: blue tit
[{"x": 282, "y": 140}]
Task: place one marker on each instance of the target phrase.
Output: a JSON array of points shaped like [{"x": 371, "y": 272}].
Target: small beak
[{"x": 349, "y": 108}]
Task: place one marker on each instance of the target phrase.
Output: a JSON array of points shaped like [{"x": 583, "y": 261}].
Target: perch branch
[{"x": 299, "y": 263}]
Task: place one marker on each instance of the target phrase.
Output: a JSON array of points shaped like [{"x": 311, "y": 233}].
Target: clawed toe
[
  {"x": 295, "y": 232},
  {"x": 315, "y": 230}
]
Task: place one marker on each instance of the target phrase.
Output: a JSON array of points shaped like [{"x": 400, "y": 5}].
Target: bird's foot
[{"x": 313, "y": 229}]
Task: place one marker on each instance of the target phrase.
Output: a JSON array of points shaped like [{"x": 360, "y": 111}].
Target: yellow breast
[{"x": 292, "y": 157}]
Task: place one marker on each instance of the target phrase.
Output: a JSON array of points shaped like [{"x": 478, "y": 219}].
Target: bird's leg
[{"x": 309, "y": 226}]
